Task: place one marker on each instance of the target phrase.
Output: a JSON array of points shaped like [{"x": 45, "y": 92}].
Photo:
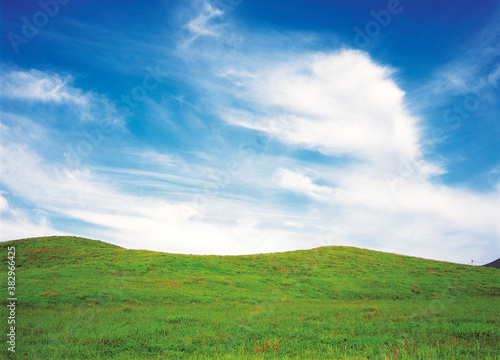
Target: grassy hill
[{"x": 85, "y": 299}]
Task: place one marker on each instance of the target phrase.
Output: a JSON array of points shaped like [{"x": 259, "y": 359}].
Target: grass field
[{"x": 84, "y": 299}]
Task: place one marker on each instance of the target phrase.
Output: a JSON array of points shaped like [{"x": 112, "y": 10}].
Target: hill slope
[
  {"x": 299, "y": 304},
  {"x": 327, "y": 273},
  {"x": 494, "y": 264}
]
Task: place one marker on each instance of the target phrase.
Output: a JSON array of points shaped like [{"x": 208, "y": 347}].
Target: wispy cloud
[
  {"x": 38, "y": 86},
  {"x": 473, "y": 67},
  {"x": 35, "y": 86},
  {"x": 132, "y": 220},
  {"x": 201, "y": 24}
]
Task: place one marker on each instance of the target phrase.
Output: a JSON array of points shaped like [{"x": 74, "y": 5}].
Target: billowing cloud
[{"x": 340, "y": 104}]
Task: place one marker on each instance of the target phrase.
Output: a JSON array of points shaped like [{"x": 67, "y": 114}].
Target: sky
[{"x": 248, "y": 126}]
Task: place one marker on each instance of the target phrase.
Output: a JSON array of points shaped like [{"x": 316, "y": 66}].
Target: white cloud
[
  {"x": 4, "y": 204},
  {"x": 17, "y": 223},
  {"x": 359, "y": 209},
  {"x": 35, "y": 86},
  {"x": 455, "y": 208},
  {"x": 301, "y": 183},
  {"x": 20, "y": 228},
  {"x": 200, "y": 25},
  {"x": 338, "y": 103},
  {"x": 39, "y": 86},
  {"x": 204, "y": 22},
  {"x": 129, "y": 219}
]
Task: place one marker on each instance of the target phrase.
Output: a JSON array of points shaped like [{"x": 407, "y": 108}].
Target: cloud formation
[
  {"x": 47, "y": 88},
  {"x": 301, "y": 183},
  {"x": 340, "y": 104}
]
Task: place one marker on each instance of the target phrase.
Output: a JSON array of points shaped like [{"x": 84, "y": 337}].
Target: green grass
[{"x": 84, "y": 299}]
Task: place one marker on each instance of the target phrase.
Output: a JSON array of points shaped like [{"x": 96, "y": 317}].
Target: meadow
[{"x": 86, "y": 299}]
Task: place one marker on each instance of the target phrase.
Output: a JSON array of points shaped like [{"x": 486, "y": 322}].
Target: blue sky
[{"x": 244, "y": 126}]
